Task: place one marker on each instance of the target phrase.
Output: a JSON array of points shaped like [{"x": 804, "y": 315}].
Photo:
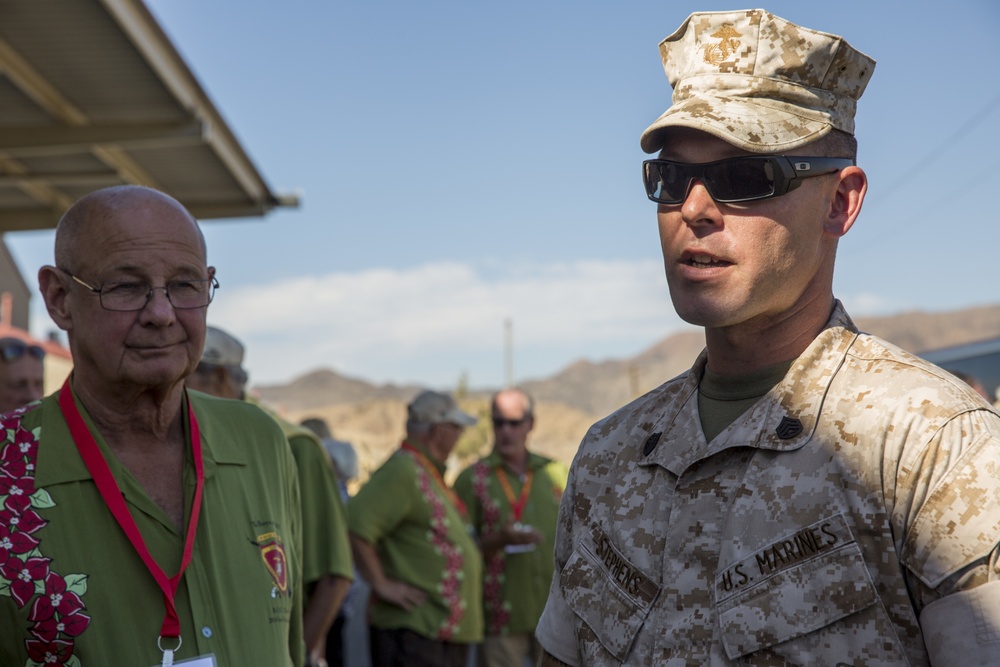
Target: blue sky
[{"x": 462, "y": 163}]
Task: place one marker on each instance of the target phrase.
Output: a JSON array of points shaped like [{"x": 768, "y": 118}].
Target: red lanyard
[
  {"x": 516, "y": 506},
  {"x": 110, "y": 491},
  {"x": 432, "y": 469}
]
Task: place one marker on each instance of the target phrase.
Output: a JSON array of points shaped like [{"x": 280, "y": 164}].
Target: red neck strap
[
  {"x": 436, "y": 474},
  {"x": 516, "y": 504},
  {"x": 113, "y": 498}
]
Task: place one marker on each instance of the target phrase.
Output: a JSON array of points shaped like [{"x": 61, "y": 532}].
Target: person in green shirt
[
  {"x": 411, "y": 543},
  {"x": 139, "y": 523},
  {"x": 513, "y": 500},
  {"x": 327, "y": 569}
]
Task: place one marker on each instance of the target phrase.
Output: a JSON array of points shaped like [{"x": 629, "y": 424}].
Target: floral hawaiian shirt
[
  {"x": 74, "y": 592},
  {"x": 515, "y": 585},
  {"x": 422, "y": 538}
]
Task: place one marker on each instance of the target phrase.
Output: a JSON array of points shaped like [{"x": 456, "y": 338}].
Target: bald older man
[
  {"x": 513, "y": 497},
  {"x": 143, "y": 525}
]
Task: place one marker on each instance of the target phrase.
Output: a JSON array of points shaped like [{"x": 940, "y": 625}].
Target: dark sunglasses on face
[
  {"x": 744, "y": 178},
  {"x": 12, "y": 349},
  {"x": 499, "y": 422}
]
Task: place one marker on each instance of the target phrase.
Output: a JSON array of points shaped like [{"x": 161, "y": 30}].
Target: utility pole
[{"x": 508, "y": 348}]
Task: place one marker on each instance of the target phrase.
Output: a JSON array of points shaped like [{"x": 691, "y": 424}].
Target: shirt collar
[
  {"x": 531, "y": 462},
  {"x": 441, "y": 467},
  {"x": 59, "y": 461},
  {"x": 782, "y": 420}
]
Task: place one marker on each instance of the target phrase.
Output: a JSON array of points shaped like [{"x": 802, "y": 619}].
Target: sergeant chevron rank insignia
[{"x": 788, "y": 428}]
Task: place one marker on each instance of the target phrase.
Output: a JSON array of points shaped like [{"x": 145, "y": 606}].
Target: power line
[{"x": 949, "y": 142}]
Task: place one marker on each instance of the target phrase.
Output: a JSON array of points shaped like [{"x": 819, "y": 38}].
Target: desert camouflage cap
[
  {"x": 758, "y": 81},
  {"x": 431, "y": 407},
  {"x": 221, "y": 348}
]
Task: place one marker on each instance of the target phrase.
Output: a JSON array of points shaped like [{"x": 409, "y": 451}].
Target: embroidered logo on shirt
[{"x": 273, "y": 553}]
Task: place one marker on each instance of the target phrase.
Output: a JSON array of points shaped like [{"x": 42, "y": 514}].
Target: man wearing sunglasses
[
  {"x": 513, "y": 500},
  {"x": 142, "y": 523},
  {"x": 22, "y": 375},
  {"x": 806, "y": 494}
]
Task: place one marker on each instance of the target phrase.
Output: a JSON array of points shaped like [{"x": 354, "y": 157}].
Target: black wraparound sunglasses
[
  {"x": 736, "y": 179},
  {"x": 12, "y": 349}
]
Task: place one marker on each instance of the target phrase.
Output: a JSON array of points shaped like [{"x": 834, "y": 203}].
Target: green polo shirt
[
  {"x": 78, "y": 589},
  {"x": 325, "y": 547},
  {"x": 515, "y": 585},
  {"x": 422, "y": 539}
]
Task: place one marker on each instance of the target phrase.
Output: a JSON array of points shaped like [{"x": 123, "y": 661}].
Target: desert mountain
[{"x": 567, "y": 403}]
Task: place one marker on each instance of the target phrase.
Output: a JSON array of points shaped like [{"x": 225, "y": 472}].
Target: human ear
[
  {"x": 55, "y": 293},
  {"x": 845, "y": 201}
]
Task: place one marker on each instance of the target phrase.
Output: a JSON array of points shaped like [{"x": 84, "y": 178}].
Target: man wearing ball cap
[
  {"x": 412, "y": 544},
  {"x": 805, "y": 494}
]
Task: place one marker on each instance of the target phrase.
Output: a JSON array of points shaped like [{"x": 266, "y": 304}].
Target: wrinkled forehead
[{"x": 136, "y": 231}]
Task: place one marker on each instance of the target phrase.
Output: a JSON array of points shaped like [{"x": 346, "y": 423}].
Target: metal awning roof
[{"x": 92, "y": 94}]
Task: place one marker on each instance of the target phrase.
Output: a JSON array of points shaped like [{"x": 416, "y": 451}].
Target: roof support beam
[
  {"x": 126, "y": 167},
  {"x": 153, "y": 43},
  {"x": 56, "y": 140},
  {"x": 37, "y": 87},
  {"x": 95, "y": 179},
  {"x": 12, "y": 220}
]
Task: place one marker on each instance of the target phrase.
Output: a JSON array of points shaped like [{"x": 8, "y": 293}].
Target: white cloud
[
  {"x": 868, "y": 303},
  {"x": 431, "y": 323}
]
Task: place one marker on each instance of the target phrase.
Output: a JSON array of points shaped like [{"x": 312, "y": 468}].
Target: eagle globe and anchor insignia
[{"x": 717, "y": 52}]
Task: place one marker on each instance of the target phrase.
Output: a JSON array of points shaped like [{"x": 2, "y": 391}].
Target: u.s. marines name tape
[{"x": 784, "y": 553}]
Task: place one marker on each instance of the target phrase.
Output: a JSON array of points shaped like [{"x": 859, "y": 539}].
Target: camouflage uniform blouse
[{"x": 856, "y": 502}]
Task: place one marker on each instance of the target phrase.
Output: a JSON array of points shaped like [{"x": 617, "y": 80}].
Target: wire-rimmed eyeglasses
[{"x": 134, "y": 295}]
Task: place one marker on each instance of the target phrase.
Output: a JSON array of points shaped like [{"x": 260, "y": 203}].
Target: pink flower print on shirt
[
  {"x": 55, "y": 599},
  {"x": 17, "y": 515},
  {"x": 448, "y": 587},
  {"x": 13, "y": 542},
  {"x": 22, "y": 575},
  {"x": 49, "y": 653},
  {"x": 56, "y": 615},
  {"x": 497, "y": 612},
  {"x": 17, "y": 486}
]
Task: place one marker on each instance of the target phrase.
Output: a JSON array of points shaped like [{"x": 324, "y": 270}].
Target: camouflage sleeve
[
  {"x": 964, "y": 628},
  {"x": 548, "y": 660},
  {"x": 952, "y": 539},
  {"x": 948, "y": 509}
]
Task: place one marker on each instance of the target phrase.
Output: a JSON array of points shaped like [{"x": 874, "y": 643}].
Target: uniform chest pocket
[
  {"x": 793, "y": 588},
  {"x": 609, "y": 594}
]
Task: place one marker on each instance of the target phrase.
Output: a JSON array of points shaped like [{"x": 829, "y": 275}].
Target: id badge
[{"x": 201, "y": 661}]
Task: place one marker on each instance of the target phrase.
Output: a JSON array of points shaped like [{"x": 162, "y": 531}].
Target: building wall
[{"x": 12, "y": 282}]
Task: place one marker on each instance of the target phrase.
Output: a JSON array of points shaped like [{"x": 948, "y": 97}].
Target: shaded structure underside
[{"x": 92, "y": 94}]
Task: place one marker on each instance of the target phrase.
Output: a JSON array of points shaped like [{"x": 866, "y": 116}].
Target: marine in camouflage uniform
[
  {"x": 805, "y": 494},
  {"x": 812, "y": 531}
]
